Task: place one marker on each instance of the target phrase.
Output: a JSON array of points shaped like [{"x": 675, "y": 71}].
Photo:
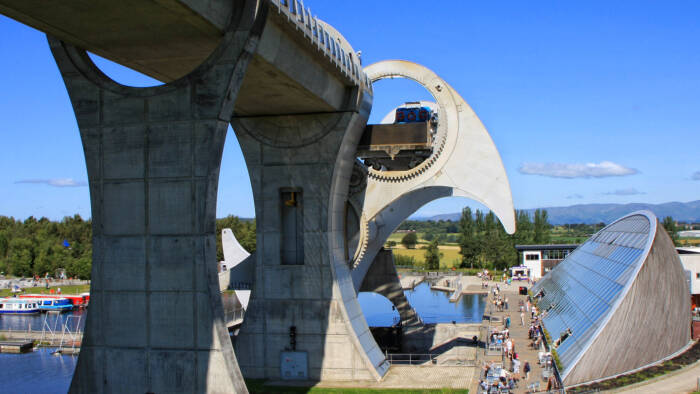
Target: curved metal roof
[{"x": 583, "y": 291}]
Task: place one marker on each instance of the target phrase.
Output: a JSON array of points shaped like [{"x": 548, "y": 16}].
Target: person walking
[
  {"x": 526, "y": 369},
  {"x": 522, "y": 318}
]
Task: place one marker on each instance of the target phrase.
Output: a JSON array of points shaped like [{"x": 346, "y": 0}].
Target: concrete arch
[
  {"x": 464, "y": 162},
  {"x": 153, "y": 157},
  {"x": 386, "y": 222}
]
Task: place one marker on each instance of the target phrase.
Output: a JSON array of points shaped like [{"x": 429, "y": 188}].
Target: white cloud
[
  {"x": 55, "y": 182},
  {"x": 624, "y": 192},
  {"x": 695, "y": 176},
  {"x": 577, "y": 170},
  {"x": 574, "y": 196}
]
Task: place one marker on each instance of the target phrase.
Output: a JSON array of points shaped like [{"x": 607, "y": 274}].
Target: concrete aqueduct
[{"x": 299, "y": 100}]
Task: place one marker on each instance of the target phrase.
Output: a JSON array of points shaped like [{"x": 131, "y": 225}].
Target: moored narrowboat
[
  {"x": 18, "y": 306},
  {"x": 78, "y": 300},
  {"x": 54, "y": 304}
]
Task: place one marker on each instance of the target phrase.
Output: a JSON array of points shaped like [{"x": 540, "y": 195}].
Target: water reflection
[
  {"x": 36, "y": 372},
  {"x": 36, "y": 322},
  {"x": 378, "y": 310},
  {"x": 431, "y": 305}
]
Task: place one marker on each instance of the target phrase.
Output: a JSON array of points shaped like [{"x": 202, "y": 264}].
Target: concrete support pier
[
  {"x": 292, "y": 166},
  {"x": 153, "y": 157},
  {"x": 383, "y": 279}
]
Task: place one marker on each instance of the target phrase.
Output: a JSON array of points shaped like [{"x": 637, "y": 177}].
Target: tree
[
  {"x": 432, "y": 256},
  {"x": 243, "y": 230},
  {"x": 402, "y": 260},
  {"x": 20, "y": 258},
  {"x": 390, "y": 244},
  {"x": 524, "y": 233},
  {"x": 468, "y": 243},
  {"x": 409, "y": 240},
  {"x": 670, "y": 227},
  {"x": 429, "y": 236},
  {"x": 541, "y": 227}
]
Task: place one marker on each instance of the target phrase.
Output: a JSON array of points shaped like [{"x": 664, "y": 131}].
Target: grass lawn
[
  {"x": 43, "y": 290},
  {"x": 258, "y": 386},
  {"x": 567, "y": 240},
  {"x": 396, "y": 237},
  {"x": 450, "y": 255}
]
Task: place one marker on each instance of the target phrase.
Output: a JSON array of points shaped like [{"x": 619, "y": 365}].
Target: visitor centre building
[{"x": 617, "y": 303}]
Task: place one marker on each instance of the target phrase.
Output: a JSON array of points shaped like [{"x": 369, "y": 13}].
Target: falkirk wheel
[
  {"x": 299, "y": 101},
  {"x": 464, "y": 163}
]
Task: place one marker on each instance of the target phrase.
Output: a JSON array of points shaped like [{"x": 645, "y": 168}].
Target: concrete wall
[{"x": 305, "y": 295}]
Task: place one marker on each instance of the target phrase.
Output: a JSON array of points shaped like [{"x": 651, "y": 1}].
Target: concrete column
[
  {"x": 153, "y": 156},
  {"x": 383, "y": 279},
  {"x": 300, "y": 154}
]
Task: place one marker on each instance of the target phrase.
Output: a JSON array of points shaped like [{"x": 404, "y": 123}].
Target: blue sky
[{"x": 587, "y": 102}]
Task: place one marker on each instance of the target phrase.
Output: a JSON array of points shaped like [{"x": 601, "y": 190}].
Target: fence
[
  {"x": 411, "y": 359},
  {"x": 233, "y": 317},
  {"x": 429, "y": 359}
]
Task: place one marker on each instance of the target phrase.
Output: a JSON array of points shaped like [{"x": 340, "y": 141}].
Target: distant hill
[{"x": 606, "y": 213}]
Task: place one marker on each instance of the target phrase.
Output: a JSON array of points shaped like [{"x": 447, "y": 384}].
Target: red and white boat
[{"x": 78, "y": 300}]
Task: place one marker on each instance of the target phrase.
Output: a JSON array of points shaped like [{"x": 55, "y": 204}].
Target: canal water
[
  {"x": 40, "y": 372},
  {"x": 55, "y": 321},
  {"x": 36, "y": 372},
  {"x": 431, "y": 305}
]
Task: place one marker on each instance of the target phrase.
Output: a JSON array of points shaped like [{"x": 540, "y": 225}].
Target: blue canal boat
[
  {"x": 55, "y": 304},
  {"x": 18, "y": 306}
]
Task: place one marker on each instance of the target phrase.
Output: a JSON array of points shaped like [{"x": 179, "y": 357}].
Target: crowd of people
[{"x": 511, "y": 371}]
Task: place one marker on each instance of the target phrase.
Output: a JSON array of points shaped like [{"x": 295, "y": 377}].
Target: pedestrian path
[{"x": 518, "y": 334}]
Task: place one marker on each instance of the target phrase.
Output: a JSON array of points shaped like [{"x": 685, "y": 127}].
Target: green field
[
  {"x": 396, "y": 237},
  {"x": 450, "y": 257},
  {"x": 43, "y": 290}
]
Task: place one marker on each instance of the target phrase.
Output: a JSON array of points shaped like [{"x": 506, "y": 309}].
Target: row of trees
[
  {"x": 483, "y": 242},
  {"x": 37, "y": 247},
  {"x": 481, "y": 238},
  {"x": 243, "y": 229}
]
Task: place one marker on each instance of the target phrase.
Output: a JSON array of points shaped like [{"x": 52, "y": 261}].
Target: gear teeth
[{"x": 364, "y": 243}]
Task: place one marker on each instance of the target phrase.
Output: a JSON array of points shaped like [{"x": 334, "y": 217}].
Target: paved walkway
[
  {"x": 518, "y": 334},
  {"x": 408, "y": 282},
  {"x": 415, "y": 377}
]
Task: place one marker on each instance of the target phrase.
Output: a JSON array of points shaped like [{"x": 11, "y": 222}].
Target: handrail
[
  {"x": 322, "y": 39},
  {"x": 411, "y": 358}
]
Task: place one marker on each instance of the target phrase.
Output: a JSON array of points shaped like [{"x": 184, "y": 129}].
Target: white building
[
  {"x": 540, "y": 259},
  {"x": 690, "y": 258}
]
